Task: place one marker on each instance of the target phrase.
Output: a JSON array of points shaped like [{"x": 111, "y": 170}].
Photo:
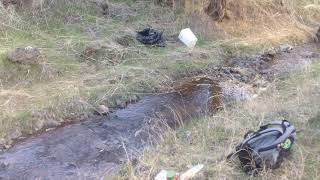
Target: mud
[{"x": 97, "y": 148}]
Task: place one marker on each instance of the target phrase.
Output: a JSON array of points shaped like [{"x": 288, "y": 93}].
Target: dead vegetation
[
  {"x": 209, "y": 140},
  {"x": 256, "y": 22},
  {"x": 26, "y": 55},
  {"x": 87, "y": 59},
  {"x": 217, "y": 9},
  {"x": 18, "y": 4}
]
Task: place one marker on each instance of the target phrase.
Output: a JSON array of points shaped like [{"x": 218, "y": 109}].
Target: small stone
[
  {"x": 103, "y": 110},
  {"x": 50, "y": 129},
  {"x": 26, "y": 55},
  {"x": 286, "y": 48},
  {"x": 134, "y": 98},
  {"x": 49, "y": 124}
]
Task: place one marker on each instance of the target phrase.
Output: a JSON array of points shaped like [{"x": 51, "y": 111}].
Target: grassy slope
[
  {"x": 210, "y": 140},
  {"x": 64, "y": 87}
]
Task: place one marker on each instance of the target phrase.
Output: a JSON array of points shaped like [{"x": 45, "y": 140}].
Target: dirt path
[{"x": 97, "y": 148}]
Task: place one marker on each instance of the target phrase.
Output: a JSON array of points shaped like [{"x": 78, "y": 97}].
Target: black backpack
[{"x": 265, "y": 148}]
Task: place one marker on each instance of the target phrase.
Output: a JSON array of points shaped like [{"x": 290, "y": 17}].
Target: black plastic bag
[{"x": 151, "y": 36}]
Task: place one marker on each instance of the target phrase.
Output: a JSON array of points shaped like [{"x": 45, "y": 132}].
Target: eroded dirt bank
[{"x": 97, "y": 148}]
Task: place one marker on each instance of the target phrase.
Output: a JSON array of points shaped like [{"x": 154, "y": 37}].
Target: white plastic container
[{"x": 187, "y": 37}]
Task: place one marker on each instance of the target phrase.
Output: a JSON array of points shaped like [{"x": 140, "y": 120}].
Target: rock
[
  {"x": 134, "y": 98},
  {"x": 103, "y": 110},
  {"x": 27, "y": 55},
  {"x": 51, "y": 123},
  {"x": 285, "y": 48}
]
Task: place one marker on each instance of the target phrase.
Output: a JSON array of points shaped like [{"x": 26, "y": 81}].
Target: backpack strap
[
  {"x": 288, "y": 130},
  {"x": 283, "y": 123},
  {"x": 260, "y": 134}
]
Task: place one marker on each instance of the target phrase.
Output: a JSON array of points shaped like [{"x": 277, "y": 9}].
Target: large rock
[{"x": 27, "y": 55}]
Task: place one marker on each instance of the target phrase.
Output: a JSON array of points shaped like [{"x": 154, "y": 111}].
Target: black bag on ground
[
  {"x": 267, "y": 147},
  {"x": 151, "y": 36}
]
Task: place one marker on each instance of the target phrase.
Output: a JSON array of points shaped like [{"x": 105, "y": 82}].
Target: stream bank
[{"x": 96, "y": 148}]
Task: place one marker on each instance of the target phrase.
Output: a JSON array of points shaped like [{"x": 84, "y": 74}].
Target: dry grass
[
  {"x": 256, "y": 22},
  {"x": 208, "y": 141},
  {"x": 65, "y": 87}
]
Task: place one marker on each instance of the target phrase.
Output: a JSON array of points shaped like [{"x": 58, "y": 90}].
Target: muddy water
[{"x": 97, "y": 148}]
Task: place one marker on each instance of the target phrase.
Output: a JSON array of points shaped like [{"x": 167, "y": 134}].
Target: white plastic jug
[{"x": 187, "y": 37}]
